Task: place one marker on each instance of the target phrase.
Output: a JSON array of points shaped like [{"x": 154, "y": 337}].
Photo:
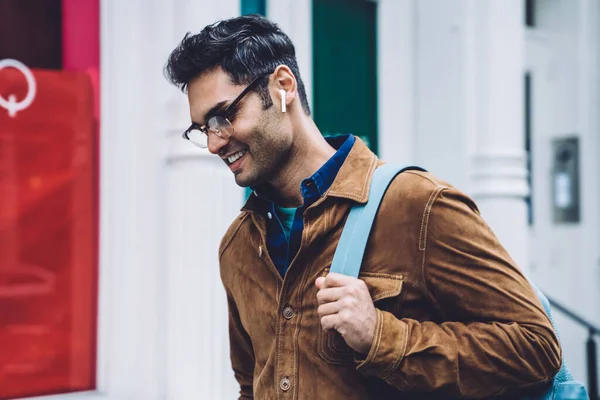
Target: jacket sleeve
[
  {"x": 241, "y": 351},
  {"x": 496, "y": 339}
]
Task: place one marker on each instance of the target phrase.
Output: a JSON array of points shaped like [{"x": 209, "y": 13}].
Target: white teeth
[{"x": 234, "y": 157}]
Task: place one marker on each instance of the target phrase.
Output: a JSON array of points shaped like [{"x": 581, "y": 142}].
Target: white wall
[
  {"x": 294, "y": 17},
  {"x": 440, "y": 110},
  {"x": 562, "y": 56},
  {"x": 397, "y": 73}
]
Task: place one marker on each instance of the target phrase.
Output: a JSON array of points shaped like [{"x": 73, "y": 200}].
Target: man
[{"x": 439, "y": 311}]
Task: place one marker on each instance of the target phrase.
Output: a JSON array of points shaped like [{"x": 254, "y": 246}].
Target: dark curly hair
[{"x": 244, "y": 47}]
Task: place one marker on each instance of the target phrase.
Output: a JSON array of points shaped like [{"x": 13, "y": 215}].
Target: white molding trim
[
  {"x": 499, "y": 174},
  {"x": 181, "y": 150},
  {"x": 186, "y": 154},
  {"x": 494, "y": 97}
]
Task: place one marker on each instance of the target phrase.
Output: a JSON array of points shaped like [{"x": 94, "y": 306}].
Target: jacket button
[
  {"x": 285, "y": 384},
  {"x": 288, "y": 312}
]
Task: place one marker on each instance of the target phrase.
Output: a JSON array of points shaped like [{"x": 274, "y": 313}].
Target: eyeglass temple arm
[{"x": 244, "y": 93}]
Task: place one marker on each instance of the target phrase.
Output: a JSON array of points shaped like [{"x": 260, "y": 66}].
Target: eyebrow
[{"x": 220, "y": 106}]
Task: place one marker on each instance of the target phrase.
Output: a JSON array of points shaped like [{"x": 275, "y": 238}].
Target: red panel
[
  {"x": 48, "y": 236},
  {"x": 81, "y": 39},
  {"x": 81, "y": 34}
]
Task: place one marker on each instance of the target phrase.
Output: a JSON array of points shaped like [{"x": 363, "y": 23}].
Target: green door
[
  {"x": 345, "y": 68},
  {"x": 254, "y": 7}
]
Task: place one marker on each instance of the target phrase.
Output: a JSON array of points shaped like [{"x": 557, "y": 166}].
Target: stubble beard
[{"x": 267, "y": 160}]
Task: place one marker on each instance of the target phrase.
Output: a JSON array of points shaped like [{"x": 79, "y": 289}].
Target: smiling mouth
[{"x": 234, "y": 157}]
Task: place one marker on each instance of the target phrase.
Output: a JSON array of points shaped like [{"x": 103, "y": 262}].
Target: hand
[{"x": 346, "y": 306}]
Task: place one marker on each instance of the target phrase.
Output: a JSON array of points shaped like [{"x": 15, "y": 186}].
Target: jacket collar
[{"x": 353, "y": 180}]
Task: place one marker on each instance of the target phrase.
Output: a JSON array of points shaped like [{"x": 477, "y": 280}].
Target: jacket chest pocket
[{"x": 384, "y": 290}]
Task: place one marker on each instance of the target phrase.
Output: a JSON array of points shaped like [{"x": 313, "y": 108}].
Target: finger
[
  {"x": 329, "y": 308},
  {"x": 329, "y": 295},
  {"x": 334, "y": 279},
  {"x": 329, "y": 322},
  {"x": 319, "y": 282}
]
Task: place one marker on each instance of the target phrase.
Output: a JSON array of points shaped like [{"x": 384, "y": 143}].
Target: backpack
[{"x": 348, "y": 257}]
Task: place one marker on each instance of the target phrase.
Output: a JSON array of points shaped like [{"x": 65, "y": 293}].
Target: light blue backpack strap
[
  {"x": 351, "y": 248},
  {"x": 564, "y": 374},
  {"x": 571, "y": 390},
  {"x": 564, "y": 386}
]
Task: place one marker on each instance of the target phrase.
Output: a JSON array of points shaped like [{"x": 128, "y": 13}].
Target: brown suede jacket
[{"x": 456, "y": 317}]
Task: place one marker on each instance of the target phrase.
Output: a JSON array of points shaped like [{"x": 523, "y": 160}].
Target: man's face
[{"x": 262, "y": 137}]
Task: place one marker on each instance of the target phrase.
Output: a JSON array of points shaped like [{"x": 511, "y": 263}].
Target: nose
[{"x": 216, "y": 143}]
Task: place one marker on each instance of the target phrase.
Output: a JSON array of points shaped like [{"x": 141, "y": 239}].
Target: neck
[{"x": 308, "y": 154}]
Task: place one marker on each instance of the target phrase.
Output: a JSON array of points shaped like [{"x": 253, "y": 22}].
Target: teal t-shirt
[{"x": 286, "y": 216}]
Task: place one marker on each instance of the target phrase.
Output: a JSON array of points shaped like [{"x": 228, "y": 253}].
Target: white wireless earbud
[{"x": 282, "y": 93}]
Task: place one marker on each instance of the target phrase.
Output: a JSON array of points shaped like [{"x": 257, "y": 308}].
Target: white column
[
  {"x": 131, "y": 352},
  {"x": 495, "y": 67},
  {"x": 164, "y": 208},
  {"x": 202, "y": 200},
  {"x": 441, "y": 144},
  {"x": 396, "y": 80}
]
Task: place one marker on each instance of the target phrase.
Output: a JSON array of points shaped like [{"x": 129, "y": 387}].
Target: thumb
[{"x": 319, "y": 282}]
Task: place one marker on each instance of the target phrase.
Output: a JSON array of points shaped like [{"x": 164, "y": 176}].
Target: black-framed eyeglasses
[{"x": 219, "y": 125}]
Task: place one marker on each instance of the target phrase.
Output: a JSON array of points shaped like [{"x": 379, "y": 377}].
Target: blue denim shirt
[{"x": 281, "y": 250}]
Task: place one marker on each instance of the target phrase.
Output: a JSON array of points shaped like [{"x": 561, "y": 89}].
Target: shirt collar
[{"x": 319, "y": 183}]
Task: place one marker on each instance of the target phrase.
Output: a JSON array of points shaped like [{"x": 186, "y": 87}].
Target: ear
[{"x": 283, "y": 79}]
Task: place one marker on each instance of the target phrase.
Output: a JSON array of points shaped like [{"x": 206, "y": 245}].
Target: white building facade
[{"x": 450, "y": 97}]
